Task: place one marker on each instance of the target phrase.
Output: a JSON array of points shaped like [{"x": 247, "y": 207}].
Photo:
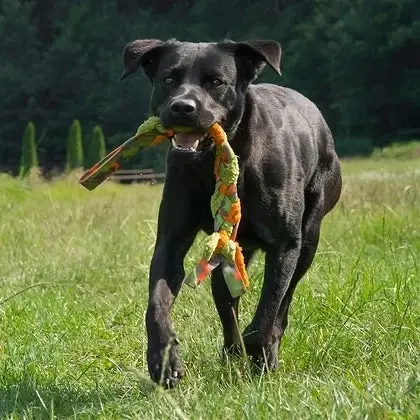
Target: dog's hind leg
[
  {"x": 310, "y": 238},
  {"x": 316, "y": 207},
  {"x": 280, "y": 263},
  {"x": 227, "y": 308},
  {"x": 262, "y": 337}
]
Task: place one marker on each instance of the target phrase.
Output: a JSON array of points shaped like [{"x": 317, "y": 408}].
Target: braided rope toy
[{"x": 220, "y": 247}]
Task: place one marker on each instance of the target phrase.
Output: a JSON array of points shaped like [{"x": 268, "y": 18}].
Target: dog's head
[{"x": 198, "y": 84}]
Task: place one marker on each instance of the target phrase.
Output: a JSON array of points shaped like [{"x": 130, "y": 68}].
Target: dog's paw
[
  {"x": 263, "y": 353},
  {"x": 165, "y": 367}
]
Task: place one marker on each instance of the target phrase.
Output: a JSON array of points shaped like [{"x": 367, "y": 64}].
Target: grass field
[{"x": 73, "y": 294}]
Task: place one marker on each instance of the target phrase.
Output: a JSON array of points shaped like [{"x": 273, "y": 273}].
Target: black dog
[{"x": 290, "y": 179}]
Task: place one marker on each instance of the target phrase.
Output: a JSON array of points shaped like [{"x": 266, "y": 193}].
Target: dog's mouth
[{"x": 191, "y": 142}]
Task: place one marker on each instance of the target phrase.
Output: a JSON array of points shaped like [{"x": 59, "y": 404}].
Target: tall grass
[{"x": 73, "y": 294}]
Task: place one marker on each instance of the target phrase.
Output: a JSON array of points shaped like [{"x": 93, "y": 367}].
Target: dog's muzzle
[{"x": 191, "y": 142}]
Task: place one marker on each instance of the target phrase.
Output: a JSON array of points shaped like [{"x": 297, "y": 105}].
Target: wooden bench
[{"x": 130, "y": 176}]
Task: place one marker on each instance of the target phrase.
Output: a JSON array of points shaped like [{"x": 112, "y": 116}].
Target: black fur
[{"x": 289, "y": 180}]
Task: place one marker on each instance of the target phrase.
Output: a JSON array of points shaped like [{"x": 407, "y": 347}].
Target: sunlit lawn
[{"x": 73, "y": 294}]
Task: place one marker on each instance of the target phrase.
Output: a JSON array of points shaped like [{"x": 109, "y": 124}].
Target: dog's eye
[
  {"x": 168, "y": 80},
  {"x": 216, "y": 82}
]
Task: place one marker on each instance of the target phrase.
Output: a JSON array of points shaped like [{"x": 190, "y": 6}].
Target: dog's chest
[
  {"x": 267, "y": 201},
  {"x": 255, "y": 228}
]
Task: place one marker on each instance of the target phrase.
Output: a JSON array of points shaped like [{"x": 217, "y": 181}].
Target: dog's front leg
[
  {"x": 177, "y": 228},
  {"x": 260, "y": 339},
  {"x": 166, "y": 277}
]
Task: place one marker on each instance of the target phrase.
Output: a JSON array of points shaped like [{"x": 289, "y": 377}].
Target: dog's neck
[
  {"x": 234, "y": 120},
  {"x": 238, "y": 130}
]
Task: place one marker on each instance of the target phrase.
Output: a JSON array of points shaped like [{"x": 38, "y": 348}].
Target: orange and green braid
[{"x": 221, "y": 247}]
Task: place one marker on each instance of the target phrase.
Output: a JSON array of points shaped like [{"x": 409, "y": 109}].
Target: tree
[
  {"x": 96, "y": 147},
  {"x": 18, "y": 47},
  {"x": 74, "y": 146},
  {"x": 29, "y": 157},
  {"x": 356, "y": 59}
]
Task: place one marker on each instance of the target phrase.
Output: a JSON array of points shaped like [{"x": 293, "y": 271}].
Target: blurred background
[{"x": 60, "y": 62}]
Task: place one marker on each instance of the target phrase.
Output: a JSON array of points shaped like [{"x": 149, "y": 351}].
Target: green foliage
[
  {"x": 29, "y": 159},
  {"x": 73, "y": 340},
  {"x": 357, "y": 60},
  {"x": 96, "y": 147},
  {"x": 408, "y": 150},
  {"x": 153, "y": 158},
  {"x": 353, "y": 146},
  {"x": 74, "y": 146}
]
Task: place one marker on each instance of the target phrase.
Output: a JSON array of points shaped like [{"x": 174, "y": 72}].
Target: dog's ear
[
  {"x": 142, "y": 52},
  {"x": 255, "y": 54}
]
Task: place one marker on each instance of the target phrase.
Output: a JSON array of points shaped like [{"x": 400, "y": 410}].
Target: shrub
[
  {"x": 401, "y": 150},
  {"x": 74, "y": 146},
  {"x": 96, "y": 147},
  {"x": 29, "y": 159}
]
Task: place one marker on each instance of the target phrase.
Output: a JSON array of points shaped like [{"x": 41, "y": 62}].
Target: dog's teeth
[{"x": 192, "y": 148}]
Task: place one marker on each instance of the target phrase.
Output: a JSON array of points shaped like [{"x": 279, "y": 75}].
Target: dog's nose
[{"x": 183, "y": 106}]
